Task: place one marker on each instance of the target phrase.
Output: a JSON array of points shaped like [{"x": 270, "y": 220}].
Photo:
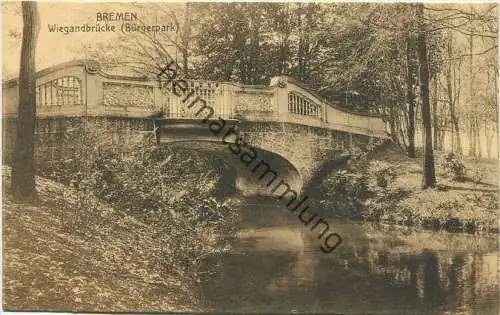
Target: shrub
[
  {"x": 344, "y": 194},
  {"x": 87, "y": 212},
  {"x": 453, "y": 166},
  {"x": 151, "y": 185},
  {"x": 478, "y": 172},
  {"x": 384, "y": 204},
  {"x": 381, "y": 173},
  {"x": 365, "y": 194}
]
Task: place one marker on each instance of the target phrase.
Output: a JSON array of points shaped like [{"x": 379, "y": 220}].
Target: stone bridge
[{"x": 289, "y": 126}]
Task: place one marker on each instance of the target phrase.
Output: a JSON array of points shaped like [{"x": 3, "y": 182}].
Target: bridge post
[
  {"x": 93, "y": 94},
  {"x": 281, "y": 97},
  {"x": 226, "y": 99},
  {"x": 159, "y": 97}
]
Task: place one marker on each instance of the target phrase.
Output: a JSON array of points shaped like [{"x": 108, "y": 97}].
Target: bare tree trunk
[
  {"x": 256, "y": 47},
  {"x": 441, "y": 140},
  {"x": 474, "y": 137},
  {"x": 429, "y": 175},
  {"x": 309, "y": 21},
  {"x": 452, "y": 138},
  {"x": 469, "y": 136},
  {"x": 471, "y": 92},
  {"x": 410, "y": 96},
  {"x": 284, "y": 41},
  {"x": 301, "y": 49},
  {"x": 472, "y": 142},
  {"x": 435, "y": 117},
  {"x": 458, "y": 142},
  {"x": 451, "y": 100},
  {"x": 185, "y": 40},
  {"x": 497, "y": 134},
  {"x": 488, "y": 139},
  {"x": 478, "y": 138},
  {"x": 23, "y": 162}
]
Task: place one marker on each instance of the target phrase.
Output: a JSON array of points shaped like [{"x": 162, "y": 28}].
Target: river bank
[
  {"x": 384, "y": 186},
  {"x": 58, "y": 257},
  {"x": 115, "y": 233}
]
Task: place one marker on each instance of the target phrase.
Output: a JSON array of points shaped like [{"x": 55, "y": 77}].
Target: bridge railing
[
  {"x": 226, "y": 99},
  {"x": 174, "y": 106},
  {"x": 80, "y": 88},
  {"x": 60, "y": 91},
  {"x": 298, "y": 104}
]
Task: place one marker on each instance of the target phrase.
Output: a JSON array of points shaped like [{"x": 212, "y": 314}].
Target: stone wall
[
  {"x": 306, "y": 147},
  {"x": 58, "y": 138}
]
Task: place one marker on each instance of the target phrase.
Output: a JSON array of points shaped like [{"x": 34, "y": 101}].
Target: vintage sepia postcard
[{"x": 250, "y": 157}]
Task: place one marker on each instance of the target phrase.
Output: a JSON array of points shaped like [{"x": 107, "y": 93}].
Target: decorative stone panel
[
  {"x": 119, "y": 94},
  {"x": 253, "y": 102}
]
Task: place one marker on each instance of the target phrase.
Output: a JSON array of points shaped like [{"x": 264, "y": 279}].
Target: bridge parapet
[
  {"x": 298, "y": 104},
  {"x": 60, "y": 91},
  {"x": 81, "y": 88}
]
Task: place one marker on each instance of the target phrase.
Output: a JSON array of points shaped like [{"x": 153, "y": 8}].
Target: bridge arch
[{"x": 268, "y": 174}]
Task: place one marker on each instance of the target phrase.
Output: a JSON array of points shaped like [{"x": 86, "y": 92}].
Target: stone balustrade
[{"x": 81, "y": 88}]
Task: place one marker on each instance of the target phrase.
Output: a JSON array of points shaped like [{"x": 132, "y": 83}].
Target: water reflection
[{"x": 276, "y": 266}]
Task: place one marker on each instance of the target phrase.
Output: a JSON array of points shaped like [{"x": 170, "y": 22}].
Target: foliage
[
  {"x": 357, "y": 195},
  {"x": 362, "y": 56},
  {"x": 151, "y": 185},
  {"x": 344, "y": 193},
  {"x": 388, "y": 191},
  {"x": 478, "y": 172},
  {"x": 62, "y": 256},
  {"x": 453, "y": 166},
  {"x": 469, "y": 211},
  {"x": 382, "y": 172}
]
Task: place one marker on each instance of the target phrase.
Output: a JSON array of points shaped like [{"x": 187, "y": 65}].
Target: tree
[
  {"x": 410, "y": 95},
  {"x": 185, "y": 39},
  {"x": 361, "y": 56},
  {"x": 23, "y": 162},
  {"x": 453, "y": 93},
  {"x": 282, "y": 24},
  {"x": 429, "y": 175},
  {"x": 471, "y": 40}
]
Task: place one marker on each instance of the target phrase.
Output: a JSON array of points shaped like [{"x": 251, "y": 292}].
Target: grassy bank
[
  {"x": 110, "y": 263},
  {"x": 384, "y": 186},
  {"x": 124, "y": 233}
]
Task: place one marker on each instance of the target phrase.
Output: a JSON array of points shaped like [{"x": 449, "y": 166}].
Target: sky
[{"x": 53, "y": 48}]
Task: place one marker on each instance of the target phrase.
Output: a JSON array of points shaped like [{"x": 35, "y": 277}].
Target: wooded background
[
  {"x": 429, "y": 70},
  {"x": 362, "y": 56}
]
